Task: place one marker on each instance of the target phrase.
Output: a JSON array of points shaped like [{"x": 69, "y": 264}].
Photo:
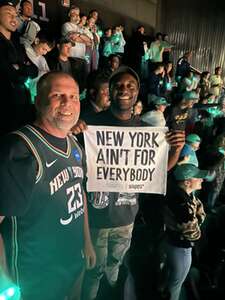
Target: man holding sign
[{"x": 112, "y": 214}]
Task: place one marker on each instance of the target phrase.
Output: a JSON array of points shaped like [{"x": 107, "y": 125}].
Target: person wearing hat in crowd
[
  {"x": 62, "y": 61},
  {"x": 178, "y": 115},
  {"x": 156, "y": 117},
  {"x": 184, "y": 214},
  {"x": 15, "y": 68},
  {"x": 112, "y": 215},
  {"x": 188, "y": 153}
]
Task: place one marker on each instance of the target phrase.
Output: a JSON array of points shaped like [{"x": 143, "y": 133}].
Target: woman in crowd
[
  {"x": 156, "y": 117},
  {"x": 184, "y": 215}
]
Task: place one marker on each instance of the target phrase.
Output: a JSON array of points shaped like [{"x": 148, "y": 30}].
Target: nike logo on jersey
[{"x": 48, "y": 165}]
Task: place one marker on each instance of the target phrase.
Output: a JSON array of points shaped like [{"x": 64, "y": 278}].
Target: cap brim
[
  {"x": 7, "y": 3},
  {"x": 191, "y": 99},
  {"x": 124, "y": 70},
  {"x": 202, "y": 174}
]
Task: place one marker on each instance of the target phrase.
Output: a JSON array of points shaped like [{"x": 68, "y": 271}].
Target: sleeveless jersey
[{"x": 45, "y": 246}]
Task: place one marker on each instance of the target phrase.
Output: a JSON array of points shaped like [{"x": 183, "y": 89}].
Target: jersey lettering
[{"x": 75, "y": 203}]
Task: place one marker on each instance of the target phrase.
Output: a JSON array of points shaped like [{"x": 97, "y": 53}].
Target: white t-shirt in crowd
[{"x": 80, "y": 48}]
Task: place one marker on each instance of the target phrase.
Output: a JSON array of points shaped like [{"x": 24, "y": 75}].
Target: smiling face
[
  {"x": 8, "y": 19},
  {"x": 123, "y": 92},
  {"x": 59, "y": 105}
]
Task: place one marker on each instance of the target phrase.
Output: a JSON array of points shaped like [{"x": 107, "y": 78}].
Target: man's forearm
[{"x": 174, "y": 154}]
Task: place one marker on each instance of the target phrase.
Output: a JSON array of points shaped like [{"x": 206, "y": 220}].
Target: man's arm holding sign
[{"x": 176, "y": 140}]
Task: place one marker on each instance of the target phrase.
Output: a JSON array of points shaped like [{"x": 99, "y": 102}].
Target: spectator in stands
[
  {"x": 177, "y": 115},
  {"x": 204, "y": 128},
  {"x": 52, "y": 235},
  {"x": 28, "y": 28},
  {"x": 183, "y": 65},
  {"x": 188, "y": 82},
  {"x": 135, "y": 49},
  {"x": 204, "y": 84},
  {"x": 214, "y": 159},
  {"x": 83, "y": 21},
  {"x": 112, "y": 224},
  {"x": 15, "y": 68},
  {"x": 92, "y": 50},
  {"x": 168, "y": 47},
  {"x": 155, "y": 117},
  {"x": 73, "y": 66},
  {"x": 36, "y": 53},
  {"x": 97, "y": 97},
  {"x": 98, "y": 21},
  {"x": 118, "y": 41},
  {"x": 154, "y": 81},
  {"x": 112, "y": 64},
  {"x": 105, "y": 47},
  {"x": 138, "y": 108},
  {"x": 76, "y": 34},
  {"x": 155, "y": 52},
  {"x": 216, "y": 82},
  {"x": 188, "y": 153},
  {"x": 184, "y": 215},
  {"x": 167, "y": 78}
]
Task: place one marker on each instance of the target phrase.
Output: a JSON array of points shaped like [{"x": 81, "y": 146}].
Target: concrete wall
[
  {"x": 130, "y": 13},
  {"x": 140, "y": 10}
]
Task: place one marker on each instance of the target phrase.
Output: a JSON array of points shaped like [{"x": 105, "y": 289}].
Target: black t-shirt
[
  {"x": 177, "y": 118},
  {"x": 65, "y": 66},
  {"x": 15, "y": 68},
  {"x": 112, "y": 209}
]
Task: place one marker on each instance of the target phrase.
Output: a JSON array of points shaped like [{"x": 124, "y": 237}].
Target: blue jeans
[{"x": 179, "y": 263}]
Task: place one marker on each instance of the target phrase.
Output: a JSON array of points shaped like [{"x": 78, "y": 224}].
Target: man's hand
[
  {"x": 90, "y": 256},
  {"x": 73, "y": 36},
  {"x": 176, "y": 139},
  {"x": 79, "y": 127}
]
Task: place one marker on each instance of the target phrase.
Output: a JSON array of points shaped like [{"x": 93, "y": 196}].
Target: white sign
[{"x": 126, "y": 159}]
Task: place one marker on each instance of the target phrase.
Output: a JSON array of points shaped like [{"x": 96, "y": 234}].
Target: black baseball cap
[
  {"x": 124, "y": 70},
  {"x": 65, "y": 40},
  {"x": 9, "y": 3}
]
